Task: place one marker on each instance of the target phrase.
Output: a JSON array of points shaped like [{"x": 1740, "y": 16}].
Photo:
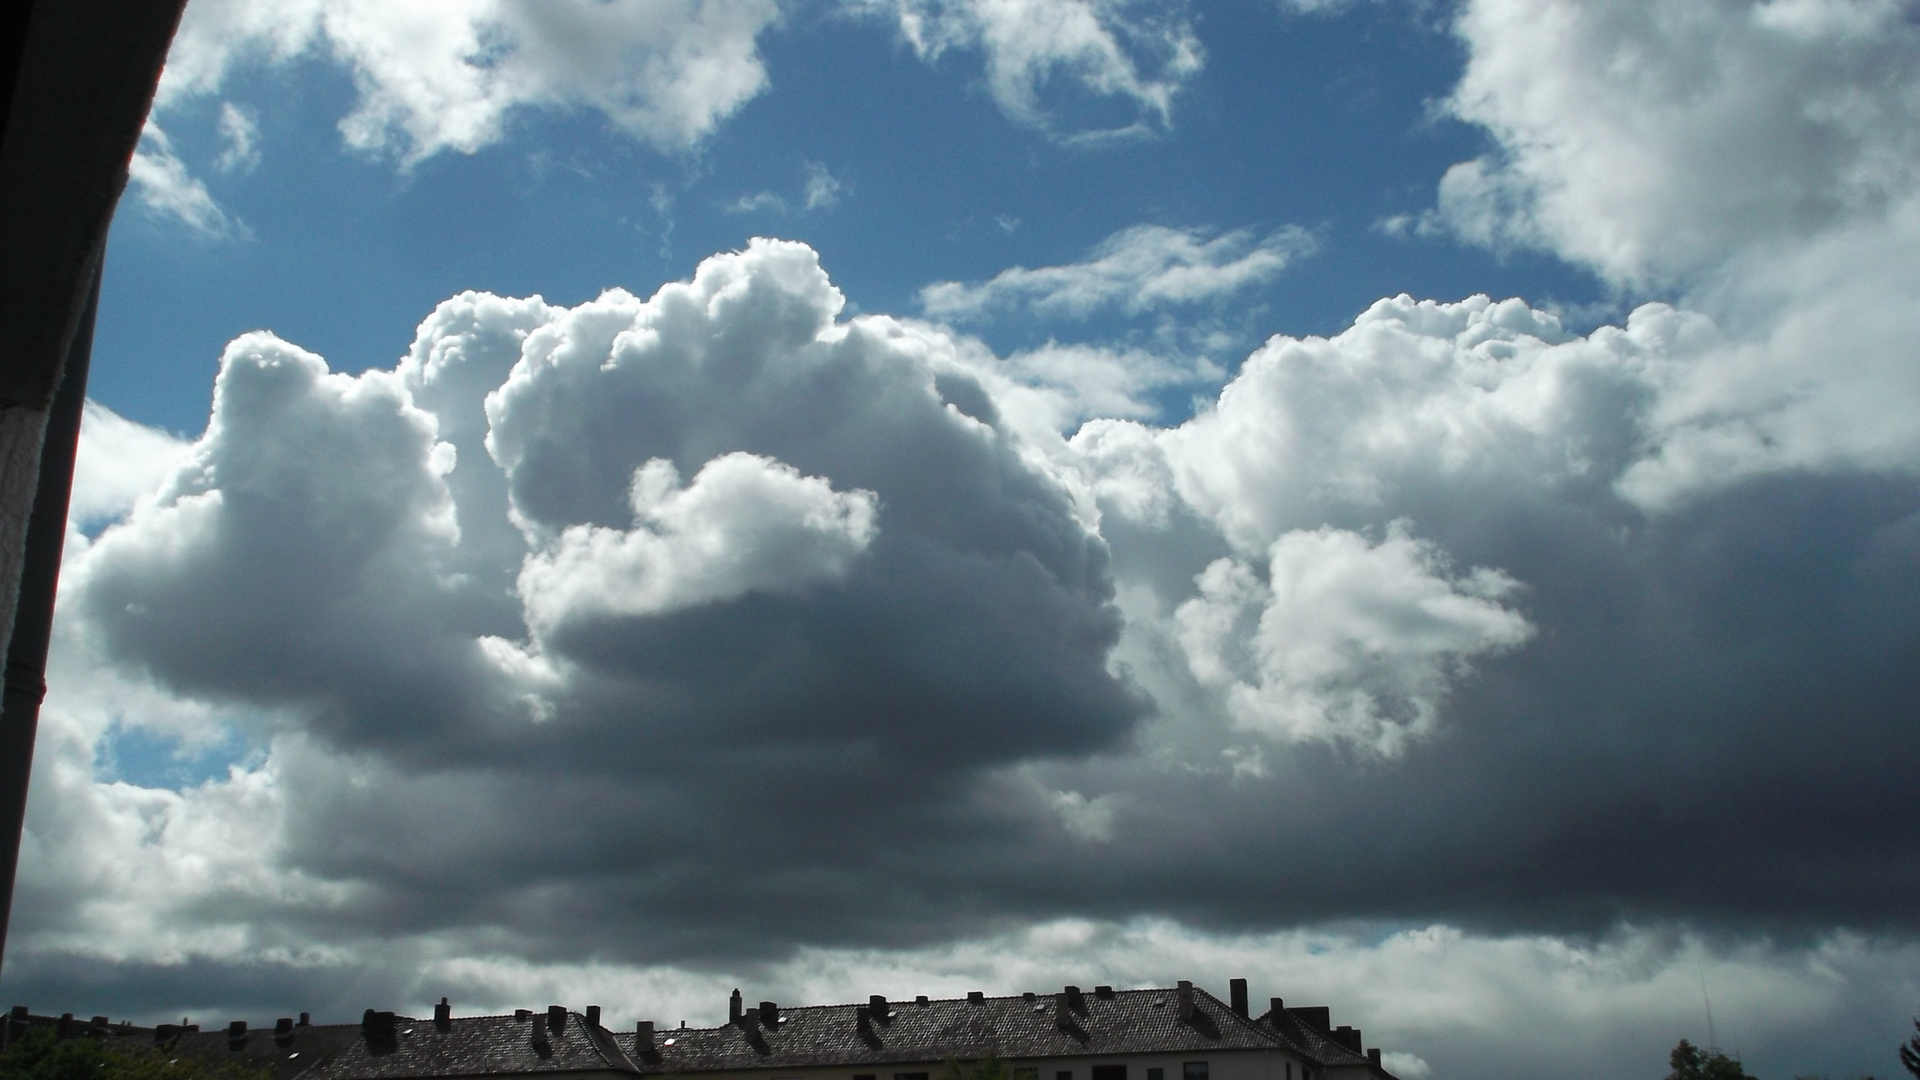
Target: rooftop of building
[{"x": 1102, "y": 1022}]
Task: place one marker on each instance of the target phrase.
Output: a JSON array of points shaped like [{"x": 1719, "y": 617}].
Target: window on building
[
  {"x": 1193, "y": 1070},
  {"x": 1161, "y": 1074},
  {"x": 1063, "y": 1074},
  {"x": 1109, "y": 1072}
]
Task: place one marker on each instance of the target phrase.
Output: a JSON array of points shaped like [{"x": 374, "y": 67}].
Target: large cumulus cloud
[{"x": 732, "y": 568}]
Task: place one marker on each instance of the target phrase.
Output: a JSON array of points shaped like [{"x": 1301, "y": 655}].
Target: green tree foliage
[
  {"x": 37, "y": 1055},
  {"x": 1692, "y": 1063},
  {"x": 987, "y": 1068},
  {"x": 1910, "y": 1050}
]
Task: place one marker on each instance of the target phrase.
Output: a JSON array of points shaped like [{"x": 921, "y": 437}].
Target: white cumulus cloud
[
  {"x": 1112, "y": 48},
  {"x": 745, "y": 524},
  {"x": 1344, "y": 640},
  {"x": 439, "y": 75}
]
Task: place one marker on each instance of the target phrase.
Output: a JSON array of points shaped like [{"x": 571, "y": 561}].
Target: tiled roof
[
  {"x": 410, "y": 1048},
  {"x": 1301, "y": 1029},
  {"x": 1106, "y": 1022}
]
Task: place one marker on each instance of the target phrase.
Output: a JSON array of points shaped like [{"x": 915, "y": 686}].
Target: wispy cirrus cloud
[{"x": 1138, "y": 269}]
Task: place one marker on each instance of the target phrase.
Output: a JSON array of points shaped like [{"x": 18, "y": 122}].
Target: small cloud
[
  {"x": 1406, "y": 1066},
  {"x": 822, "y": 189},
  {"x": 1083, "y": 818},
  {"x": 241, "y": 129},
  {"x": 1136, "y": 269},
  {"x": 757, "y": 203},
  {"x": 1007, "y": 222},
  {"x": 167, "y": 188}
]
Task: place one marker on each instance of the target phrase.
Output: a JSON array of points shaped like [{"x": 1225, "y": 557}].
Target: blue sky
[
  {"x": 1416, "y": 504},
  {"x": 1326, "y": 122}
]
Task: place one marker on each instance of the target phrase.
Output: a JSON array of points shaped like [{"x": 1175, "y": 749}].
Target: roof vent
[
  {"x": 557, "y": 1018},
  {"x": 1237, "y": 992},
  {"x": 593, "y": 1016},
  {"x": 769, "y": 1014},
  {"x": 1103, "y": 992},
  {"x": 976, "y": 997},
  {"x": 283, "y": 1026},
  {"x": 443, "y": 1015}
]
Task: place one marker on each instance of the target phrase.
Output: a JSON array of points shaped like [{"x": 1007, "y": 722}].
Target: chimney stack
[
  {"x": 556, "y": 1018},
  {"x": 1183, "y": 1000},
  {"x": 593, "y": 1016},
  {"x": 306, "y": 1019},
  {"x": 443, "y": 1015},
  {"x": 877, "y": 1005},
  {"x": 283, "y": 1026},
  {"x": 1275, "y": 1010},
  {"x": 237, "y": 1030},
  {"x": 1348, "y": 1037},
  {"x": 769, "y": 1015},
  {"x": 976, "y": 997},
  {"x": 1076, "y": 1000},
  {"x": 1237, "y": 992},
  {"x": 1373, "y": 1057},
  {"x": 643, "y": 1036},
  {"x": 734, "y": 1008}
]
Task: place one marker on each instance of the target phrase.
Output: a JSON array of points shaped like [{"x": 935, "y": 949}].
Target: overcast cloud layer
[{"x": 1558, "y": 671}]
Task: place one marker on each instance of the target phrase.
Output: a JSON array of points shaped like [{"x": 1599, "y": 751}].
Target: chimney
[
  {"x": 102, "y": 1022},
  {"x": 283, "y": 1026},
  {"x": 1319, "y": 1017},
  {"x": 306, "y": 1020},
  {"x": 1348, "y": 1037},
  {"x": 769, "y": 1015},
  {"x": 593, "y": 1016},
  {"x": 443, "y": 1015},
  {"x": 1183, "y": 1000},
  {"x": 877, "y": 1005},
  {"x": 65, "y": 1027},
  {"x": 1275, "y": 1010},
  {"x": 1076, "y": 1000},
  {"x": 1103, "y": 992},
  {"x": 643, "y": 1036},
  {"x": 237, "y": 1030},
  {"x": 733, "y": 1007},
  {"x": 976, "y": 997},
  {"x": 1237, "y": 992},
  {"x": 557, "y": 1018},
  {"x": 1373, "y": 1056}
]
